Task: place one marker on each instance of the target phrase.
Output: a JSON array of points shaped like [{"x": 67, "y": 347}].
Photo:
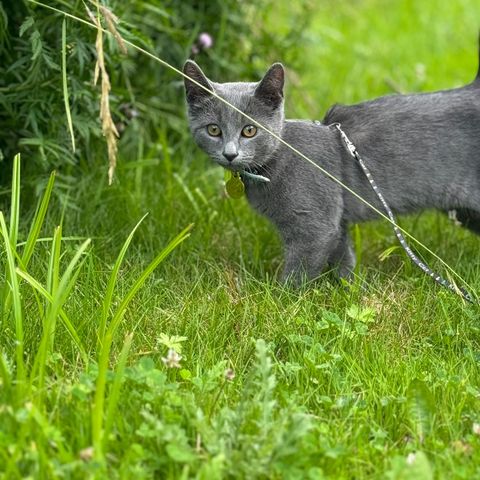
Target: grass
[{"x": 381, "y": 382}]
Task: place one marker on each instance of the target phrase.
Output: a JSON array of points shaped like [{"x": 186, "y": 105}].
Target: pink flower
[{"x": 204, "y": 41}]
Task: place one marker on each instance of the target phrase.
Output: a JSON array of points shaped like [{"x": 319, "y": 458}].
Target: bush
[{"x": 146, "y": 97}]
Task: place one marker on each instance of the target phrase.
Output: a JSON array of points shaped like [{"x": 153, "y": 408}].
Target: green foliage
[
  {"x": 417, "y": 467},
  {"x": 421, "y": 408},
  {"x": 339, "y": 381},
  {"x": 43, "y": 83},
  {"x": 376, "y": 381},
  {"x": 28, "y": 387}
]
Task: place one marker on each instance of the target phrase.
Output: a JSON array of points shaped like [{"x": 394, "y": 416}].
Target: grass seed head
[{"x": 109, "y": 129}]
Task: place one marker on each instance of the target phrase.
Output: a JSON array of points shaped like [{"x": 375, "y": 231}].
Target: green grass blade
[
  {"x": 421, "y": 407},
  {"x": 17, "y": 306},
  {"x": 13, "y": 231},
  {"x": 167, "y": 162},
  {"x": 5, "y": 377},
  {"x": 46, "y": 343},
  {"x": 62, "y": 290},
  {"x": 99, "y": 399},
  {"x": 15, "y": 202},
  {"x": 188, "y": 193},
  {"x": 32, "y": 236},
  {"x": 112, "y": 281},
  {"x": 114, "y": 393},
  {"x": 59, "y": 296},
  {"x": 65, "y": 84},
  {"x": 147, "y": 272},
  {"x": 54, "y": 273},
  {"x": 357, "y": 240},
  {"x": 63, "y": 316},
  {"x": 37, "y": 222}
]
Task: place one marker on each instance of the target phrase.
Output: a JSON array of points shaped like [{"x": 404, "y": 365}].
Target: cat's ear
[
  {"x": 270, "y": 89},
  {"x": 194, "y": 92}
]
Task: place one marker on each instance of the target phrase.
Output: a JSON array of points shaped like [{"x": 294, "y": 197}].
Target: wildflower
[
  {"x": 172, "y": 360},
  {"x": 476, "y": 428},
  {"x": 460, "y": 446},
  {"x": 205, "y": 41},
  {"x": 86, "y": 454},
  {"x": 411, "y": 457},
  {"x": 229, "y": 374}
]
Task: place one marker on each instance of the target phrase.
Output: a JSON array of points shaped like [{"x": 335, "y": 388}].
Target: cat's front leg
[
  {"x": 343, "y": 257},
  {"x": 305, "y": 259}
]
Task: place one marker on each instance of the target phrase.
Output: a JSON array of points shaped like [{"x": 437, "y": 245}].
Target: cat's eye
[
  {"x": 214, "y": 130},
  {"x": 249, "y": 131}
]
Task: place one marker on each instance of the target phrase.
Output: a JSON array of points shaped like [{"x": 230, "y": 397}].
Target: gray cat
[{"x": 423, "y": 150}]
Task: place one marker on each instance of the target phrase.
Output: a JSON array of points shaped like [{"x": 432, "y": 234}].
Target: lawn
[{"x": 376, "y": 380}]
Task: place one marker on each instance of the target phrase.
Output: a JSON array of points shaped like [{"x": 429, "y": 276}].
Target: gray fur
[{"x": 423, "y": 150}]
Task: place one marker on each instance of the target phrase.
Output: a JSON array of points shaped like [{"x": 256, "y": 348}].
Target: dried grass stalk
[
  {"x": 112, "y": 20},
  {"x": 108, "y": 126}
]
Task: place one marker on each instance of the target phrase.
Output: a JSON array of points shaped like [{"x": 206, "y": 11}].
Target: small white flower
[
  {"x": 411, "y": 457},
  {"x": 86, "y": 454},
  {"x": 172, "y": 360},
  {"x": 476, "y": 428},
  {"x": 229, "y": 374}
]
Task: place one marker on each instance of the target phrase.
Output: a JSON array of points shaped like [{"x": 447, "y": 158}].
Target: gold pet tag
[{"x": 234, "y": 186}]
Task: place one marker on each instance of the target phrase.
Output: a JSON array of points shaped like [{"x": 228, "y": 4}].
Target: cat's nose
[{"x": 230, "y": 156}]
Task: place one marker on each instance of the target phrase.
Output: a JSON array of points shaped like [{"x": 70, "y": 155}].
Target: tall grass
[
  {"x": 211, "y": 369},
  {"x": 29, "y": 385}
]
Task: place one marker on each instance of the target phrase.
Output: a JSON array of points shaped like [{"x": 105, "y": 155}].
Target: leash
[{"x": 426, "y": 269}]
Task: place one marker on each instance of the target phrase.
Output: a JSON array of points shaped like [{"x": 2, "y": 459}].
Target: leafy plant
[
  {"x": 173, "y": 342},
  {"x": 322, "y": 392},
  {"x": 421, "y": 409},
  {"x": 31, "y": 378},
  {"x": 42, "y": 52}
]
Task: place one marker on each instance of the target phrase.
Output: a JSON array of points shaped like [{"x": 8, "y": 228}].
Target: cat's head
[{"x": 227, "y": 136}]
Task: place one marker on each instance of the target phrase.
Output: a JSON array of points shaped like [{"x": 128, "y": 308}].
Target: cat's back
[
  {"x": 423, "y": 149},
  {"x": 439, "y": 108},
  {"x": 426, "y": 126}
]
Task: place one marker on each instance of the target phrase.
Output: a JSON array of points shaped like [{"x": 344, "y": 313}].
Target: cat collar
[{"x": 255, "y": 176}]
